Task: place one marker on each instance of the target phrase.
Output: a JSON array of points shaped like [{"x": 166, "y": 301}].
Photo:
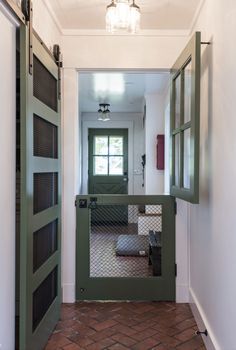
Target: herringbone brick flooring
[{"x": 122, "y": 326}]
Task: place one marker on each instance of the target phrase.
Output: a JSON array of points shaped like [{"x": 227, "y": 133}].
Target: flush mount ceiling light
[
  {"x": 104, "y": 112},
  {"x": 123, "y": 15}
]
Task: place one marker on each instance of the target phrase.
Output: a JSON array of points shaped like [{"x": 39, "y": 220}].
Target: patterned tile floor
[
  {"x": 105, "y": 263},
  {"x": 125, "y": 325}
]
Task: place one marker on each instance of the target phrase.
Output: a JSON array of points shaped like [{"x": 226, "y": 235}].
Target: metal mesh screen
[
  {"x": 44, "y": 85},
  {"x": 43, "y": 297},
  {"x": 45, "y": 138},
  {"x": 120, "y": 240},
  {"x": 45, "y": 191},
  {"x": 44, "y": 244}
]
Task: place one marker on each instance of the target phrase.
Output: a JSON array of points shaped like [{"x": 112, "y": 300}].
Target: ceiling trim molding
[
  {"x": 143, "y": 33},
  {"x": 196, "y": 16},
  {"x": 146, "y": 33},
  {"x": 53, "y": 15}
]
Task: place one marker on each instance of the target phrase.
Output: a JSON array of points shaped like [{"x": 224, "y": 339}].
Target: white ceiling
[
  {"x": 124, "y": 91},
  {"x": 156, "y": 14}
]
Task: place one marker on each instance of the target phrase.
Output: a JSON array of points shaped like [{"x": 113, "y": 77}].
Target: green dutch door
[
  {"x": 185, "y": 122},
  {"x": 131, "y": 259}
]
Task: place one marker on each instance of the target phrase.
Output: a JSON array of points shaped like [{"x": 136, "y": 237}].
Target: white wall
[
  {"x": 7, "y": 183},
  {"x": 213, "y": 221},
  {"x": 154, "y": 125},
  {"x": 70, "y": 180},
  {"x": 131, "y": 121},
  {"x": 122, "y": 52},
  {"x": 45, "y": 24}
]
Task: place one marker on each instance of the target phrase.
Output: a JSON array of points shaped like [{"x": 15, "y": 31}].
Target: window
[
  {"x": 185, "y": 103},
  {"x": 108, "y": 155}
]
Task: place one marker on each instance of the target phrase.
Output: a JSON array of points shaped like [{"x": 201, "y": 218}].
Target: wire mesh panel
[
  {"x": 124, "y": 240},
  {"x": 44, "y": 243},
  {"x": 44, "y": 85},
  {"x": 45, "y": 138},
  {"x": 45, "y": 191},
  {"x": 43, "y": 297}
]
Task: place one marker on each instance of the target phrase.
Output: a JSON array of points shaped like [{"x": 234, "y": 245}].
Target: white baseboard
[
  {"x": 202, "y": 323},
  {"x": 182, "y": 293},
  {"x": 68, "y": 293}
]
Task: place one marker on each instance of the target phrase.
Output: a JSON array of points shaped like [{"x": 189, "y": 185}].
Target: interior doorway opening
[
  {"x": 122, "y": 155},
  {"x": 138, "y": 101}
]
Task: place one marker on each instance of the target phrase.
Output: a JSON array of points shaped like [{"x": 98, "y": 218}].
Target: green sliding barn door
[{"x": 40, "y": 222}]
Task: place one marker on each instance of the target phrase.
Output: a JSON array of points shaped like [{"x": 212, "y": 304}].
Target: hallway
[{"x": 125, "y": 325}]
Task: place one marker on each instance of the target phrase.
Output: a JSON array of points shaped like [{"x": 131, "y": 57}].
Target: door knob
[{"x": 125, "y": 179}]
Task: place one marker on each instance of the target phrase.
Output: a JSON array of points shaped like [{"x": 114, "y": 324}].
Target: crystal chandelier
[
  {"x": 104, "y": 112},
  {"x": 123, "y": 15}
]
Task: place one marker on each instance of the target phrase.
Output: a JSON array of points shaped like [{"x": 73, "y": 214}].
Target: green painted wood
[
  {"x": 126, "y": 288},
  {"x": 29, "y": 280},
  {"x": 102, "y": 184},
  {"x": 191, "y": 52}
]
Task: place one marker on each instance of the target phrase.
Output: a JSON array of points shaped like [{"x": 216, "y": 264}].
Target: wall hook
[{"x": 205, "y": 42}]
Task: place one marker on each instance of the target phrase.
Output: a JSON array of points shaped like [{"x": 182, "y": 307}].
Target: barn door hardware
[
  {"x": 58, "y": 58},
  {"x": 27, "y": 9}
]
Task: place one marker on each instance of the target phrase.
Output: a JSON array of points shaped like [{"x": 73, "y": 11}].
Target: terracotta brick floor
[{"x": 120, "y": 326}]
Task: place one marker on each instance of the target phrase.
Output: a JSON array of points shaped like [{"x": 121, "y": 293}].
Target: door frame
[{"x": 86, "y": 125}]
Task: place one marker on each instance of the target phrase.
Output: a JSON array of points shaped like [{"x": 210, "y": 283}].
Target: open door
[
  {"x": 185, "y": 122},
  {"x": 40, "y": 195}
]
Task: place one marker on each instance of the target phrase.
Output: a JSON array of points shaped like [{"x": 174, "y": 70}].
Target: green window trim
[{"x": 185, "y": 127}]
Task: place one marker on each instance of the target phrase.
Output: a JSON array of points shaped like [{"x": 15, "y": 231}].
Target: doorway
[
  {"x": 108, "y": 161},
  {"x": 137, "y": 100}
]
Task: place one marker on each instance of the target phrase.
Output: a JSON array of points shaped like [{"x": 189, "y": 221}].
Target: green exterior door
[
  {"x": 108, "y": 161},
  {"x": 40, "y": 196}
]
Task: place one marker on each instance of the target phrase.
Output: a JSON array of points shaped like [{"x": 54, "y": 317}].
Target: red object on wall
[{"x": 160, "y": 152}]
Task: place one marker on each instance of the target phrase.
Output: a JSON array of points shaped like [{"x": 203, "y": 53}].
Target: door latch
[
  {"x": 83, "y": 203},
  {"x": 93, "y": 203}
]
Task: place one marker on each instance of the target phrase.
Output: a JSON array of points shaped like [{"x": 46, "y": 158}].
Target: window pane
[
  {"x": 116, "y": 145},
  {"x": 177, "y": 159},
  {"x": 101, "y": 145},
  {"x": 187, "y": 159},
  {"x": 177, "y": 101},
  {"x": 115, "y": 165},
  {"x": 187, "y": 92},
  {"x": 100, "y": 165}
]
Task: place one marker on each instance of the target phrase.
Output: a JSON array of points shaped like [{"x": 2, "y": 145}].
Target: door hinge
[
  {"x": 175, "y": 208},
  {"x": 175, "y": 270},
  {"x": 75, "y": 203}
]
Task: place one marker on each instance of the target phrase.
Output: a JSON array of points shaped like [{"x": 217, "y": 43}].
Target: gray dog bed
[{"x": 132, "y": 245}]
